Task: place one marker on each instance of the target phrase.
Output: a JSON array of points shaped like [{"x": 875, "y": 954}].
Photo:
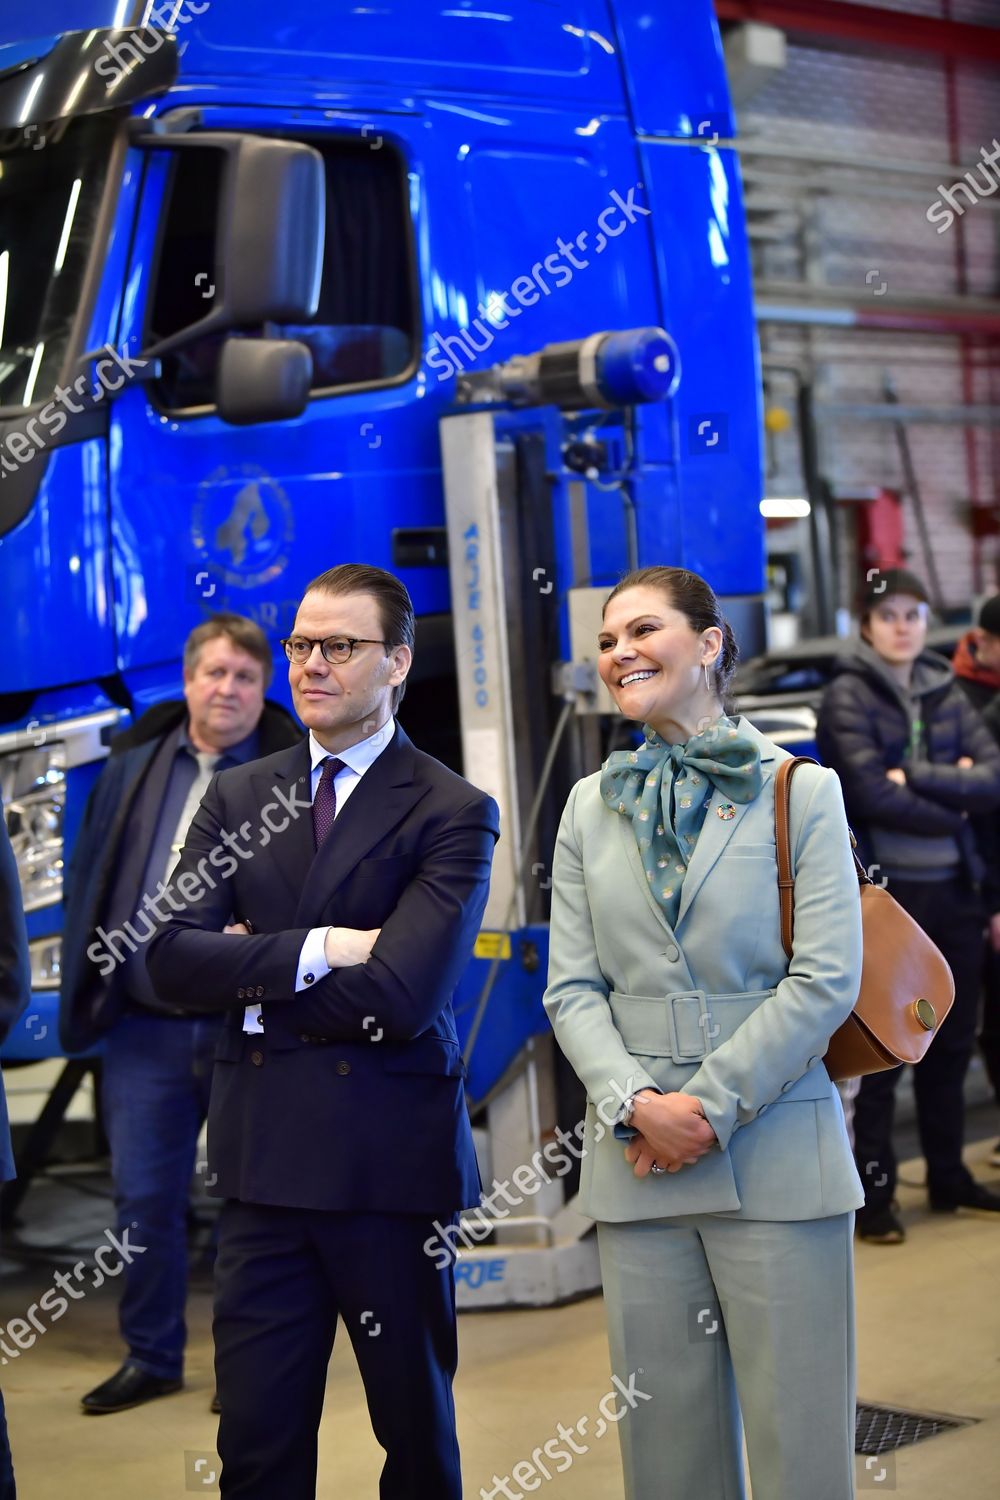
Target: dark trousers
[
  {"x": 950, "y": 914},
  {"x": 989, "y": 1031},
  {"x": 7, "y": 1490},
  {"x": 157, "y": 1078},
  {"x": 283, "y": 1277}
]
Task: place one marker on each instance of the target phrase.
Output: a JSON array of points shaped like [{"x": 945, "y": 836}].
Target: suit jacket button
[
  {"x": 672, "y": 953},
  {"x": 813, "y": 1061},
  {"x": 308, "y": 978},
  {"x": 343, "y": 1068},
  {"x": 305, "y": 1037},
  {"x": 259, "y": 991},
  {"x": 257, "y": 1058},
  {"x": 241, "y": 993}
]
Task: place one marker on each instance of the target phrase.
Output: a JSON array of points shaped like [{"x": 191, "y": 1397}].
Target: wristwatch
[{"x": 625, "y": 1113}]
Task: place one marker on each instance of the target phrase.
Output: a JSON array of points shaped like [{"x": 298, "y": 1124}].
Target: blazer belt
[{"x": 685, "y": 1026}]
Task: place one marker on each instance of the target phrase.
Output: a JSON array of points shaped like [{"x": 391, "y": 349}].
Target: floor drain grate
[{"x": 880, "y": 1429}]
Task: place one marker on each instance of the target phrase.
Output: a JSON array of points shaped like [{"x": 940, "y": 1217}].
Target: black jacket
[
  {"x": 91, "y": 1001},
  {"x": 353, "y": 1097},
  {"x": 15, "y": 974},
  {"x": 865, "y": 729}
]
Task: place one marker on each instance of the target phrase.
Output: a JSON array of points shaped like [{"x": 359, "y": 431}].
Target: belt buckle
[{"x": 680, "y": 1052}]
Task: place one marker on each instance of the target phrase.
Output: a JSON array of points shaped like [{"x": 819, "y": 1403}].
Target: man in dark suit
[
  {"x": 157, "y": 1063},
  {"x": 15, "y": 991},
  {"x": 337, "y": 1128}
]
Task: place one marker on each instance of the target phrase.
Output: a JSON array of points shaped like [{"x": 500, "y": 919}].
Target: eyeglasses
[{"x": 336, "y": 649}]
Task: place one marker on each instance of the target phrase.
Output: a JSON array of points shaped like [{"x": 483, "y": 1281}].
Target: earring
[{"x": 708, "y": 685}]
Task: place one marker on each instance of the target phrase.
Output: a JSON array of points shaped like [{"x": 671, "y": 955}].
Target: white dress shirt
[{"x": 356, "y": 761}]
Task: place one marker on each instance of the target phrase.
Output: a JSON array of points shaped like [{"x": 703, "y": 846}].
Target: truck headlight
[
  {"x": 35, "y": 802},
  {"x": 34, "y": 763}
]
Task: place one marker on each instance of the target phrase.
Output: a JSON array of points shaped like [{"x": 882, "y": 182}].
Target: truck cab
[{"x": 248, "y": 266}]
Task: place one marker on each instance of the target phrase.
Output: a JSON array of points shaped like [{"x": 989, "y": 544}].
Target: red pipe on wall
[{"x": 871, "y": 25}]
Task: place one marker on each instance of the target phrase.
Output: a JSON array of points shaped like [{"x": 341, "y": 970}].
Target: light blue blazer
[{"x": 713, "y": 1007}]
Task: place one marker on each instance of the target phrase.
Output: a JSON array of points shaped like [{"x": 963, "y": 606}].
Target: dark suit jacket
[
  {"x": 15, "y": 973},
  {"x": 90, "y": 1001},
  {"x": 353, "y": 1097}
]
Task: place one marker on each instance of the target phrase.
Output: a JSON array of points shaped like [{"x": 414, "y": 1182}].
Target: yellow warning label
[{"x": 492, "y": 945}]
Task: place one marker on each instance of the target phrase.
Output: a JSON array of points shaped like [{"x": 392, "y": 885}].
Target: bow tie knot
[{"x": 666, "y": 790}]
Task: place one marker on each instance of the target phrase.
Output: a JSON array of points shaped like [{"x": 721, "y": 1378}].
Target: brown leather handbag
[{"x": 907, "y": 988}]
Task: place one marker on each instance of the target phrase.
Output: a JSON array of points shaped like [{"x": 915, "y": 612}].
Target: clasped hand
[
  {"x": 672, "y": 1132},
  {"x": 342, "y": 946}
]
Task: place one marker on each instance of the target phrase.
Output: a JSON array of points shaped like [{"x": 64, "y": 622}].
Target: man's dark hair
[
  {"x": 243, "y": 633},
  {"x": 395, "y": 607}
]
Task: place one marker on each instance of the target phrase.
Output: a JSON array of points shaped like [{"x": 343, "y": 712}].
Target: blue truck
[{"x": 256, "y": 264}]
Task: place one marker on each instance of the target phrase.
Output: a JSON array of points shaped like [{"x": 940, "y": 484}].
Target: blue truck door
[{"x": 208, "y": 516}]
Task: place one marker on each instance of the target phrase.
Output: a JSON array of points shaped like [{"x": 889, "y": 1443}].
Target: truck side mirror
[
  {"x": 272, "y": 226},
  {"x": 270, "y": 235},
  {"x": 262, "y": 380}
]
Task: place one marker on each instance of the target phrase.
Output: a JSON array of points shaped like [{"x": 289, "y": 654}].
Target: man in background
[{"x": 157, "y": 1060}]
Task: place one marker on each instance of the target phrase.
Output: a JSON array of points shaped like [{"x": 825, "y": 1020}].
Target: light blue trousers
[{"x": 729, "y": 1316}]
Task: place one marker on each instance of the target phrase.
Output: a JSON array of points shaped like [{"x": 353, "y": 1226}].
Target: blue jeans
[{"x": 157, "y": 1078}]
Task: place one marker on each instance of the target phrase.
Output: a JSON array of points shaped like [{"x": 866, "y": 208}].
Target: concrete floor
[{"x": 929, "y": 1339}]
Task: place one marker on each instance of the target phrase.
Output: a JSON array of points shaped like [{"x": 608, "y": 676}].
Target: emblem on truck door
[{"x": 243, "y": 525}]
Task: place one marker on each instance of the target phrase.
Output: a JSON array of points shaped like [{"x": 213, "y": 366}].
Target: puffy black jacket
[{"x": 865, "y": 729}]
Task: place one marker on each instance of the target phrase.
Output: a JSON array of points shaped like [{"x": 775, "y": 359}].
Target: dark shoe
[
  {"x": 215, "y": 1404},
  {"x": 880, "y": 1226},
  {"x": 127, "y": 1387},
  {"x": 966, "y": 1195}
]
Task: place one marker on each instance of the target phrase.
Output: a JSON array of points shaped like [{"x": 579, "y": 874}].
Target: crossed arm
[{"x": 402, "y": 973}]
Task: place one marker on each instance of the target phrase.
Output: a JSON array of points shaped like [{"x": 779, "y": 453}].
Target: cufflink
[{"x": 308, "y": 978}]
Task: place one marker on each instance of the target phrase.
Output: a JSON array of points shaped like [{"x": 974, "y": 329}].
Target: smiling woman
[
  {"x": 666, "y": 653},
  {"x": 701, "y": 1025}
]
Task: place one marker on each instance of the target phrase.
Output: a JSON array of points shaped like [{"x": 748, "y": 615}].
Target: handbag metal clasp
[{"x": 925, "y": 1013}]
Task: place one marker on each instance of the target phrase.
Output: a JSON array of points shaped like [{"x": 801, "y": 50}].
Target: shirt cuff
[{"x": 312, "y": 960}]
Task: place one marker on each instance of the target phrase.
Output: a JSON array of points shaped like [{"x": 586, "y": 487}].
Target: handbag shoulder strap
[{"x": 783, "y": 846}]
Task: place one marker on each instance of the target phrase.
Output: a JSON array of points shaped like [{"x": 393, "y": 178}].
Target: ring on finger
[{"x": 657, "y": 1168}]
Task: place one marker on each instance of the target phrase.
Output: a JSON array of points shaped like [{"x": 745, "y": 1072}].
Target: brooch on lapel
[{"x": 726, "y": 812}]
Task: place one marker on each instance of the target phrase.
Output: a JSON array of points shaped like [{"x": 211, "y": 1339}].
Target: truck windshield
[{"x": 50, "y": 195}]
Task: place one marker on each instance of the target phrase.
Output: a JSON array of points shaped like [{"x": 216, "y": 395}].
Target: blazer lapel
[
  {"x": 293, "y": 850},
  {"x": 386, "y": 793},
  {"x": 716, "y": 830}
]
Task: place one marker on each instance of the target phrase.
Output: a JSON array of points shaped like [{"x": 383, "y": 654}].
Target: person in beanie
[
  {"x": 919, "y": 770},
  {"x": 977, "y": 669},
  {"x": 976, "y": 662}
]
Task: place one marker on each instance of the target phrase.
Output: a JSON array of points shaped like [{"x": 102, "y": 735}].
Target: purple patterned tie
[{"x": 325, "y": 800}]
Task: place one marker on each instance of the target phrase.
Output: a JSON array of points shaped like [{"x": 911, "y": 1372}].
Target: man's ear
[{"x": 402, "y": 660}]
